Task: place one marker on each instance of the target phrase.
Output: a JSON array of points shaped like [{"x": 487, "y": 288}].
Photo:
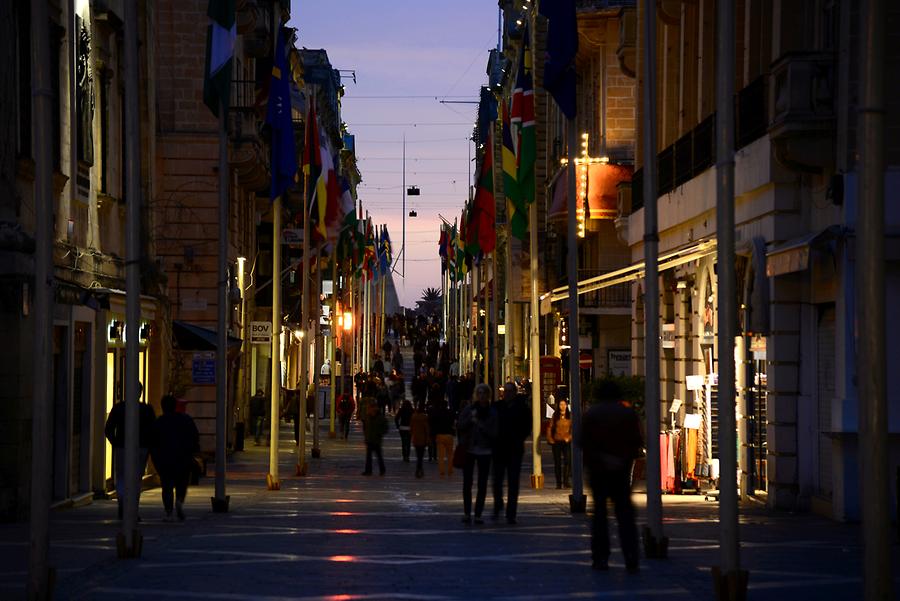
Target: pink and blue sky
[{"x": 407, "y": 55}]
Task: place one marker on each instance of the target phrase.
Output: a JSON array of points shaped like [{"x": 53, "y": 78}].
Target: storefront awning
[
  {"x": 189, "y": 337},
  {"x": 602, "y": 194},
  {"x": 695, "y": 251},
  {"x": 793, "y": 255}
]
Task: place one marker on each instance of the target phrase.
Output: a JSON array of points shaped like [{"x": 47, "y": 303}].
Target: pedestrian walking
[
  {"x": 345, "y": 408},
  {"x": 513, "y": 427},
  {"x": 258, "y": 407},
  {"x": 477, "y": 428},
  {"x": 611, "y": 441},
  {"x": 292, "y": 411},
  {"x": 402, "y": 421},
  {"x": 176, "y": 439},
  {"x": 420, "y": 435},
  {"x": 115, "y": 434},
  {"x": 442, "y": 430},
  {"x": 559, "y": 436},
  {"x": 375, "y": 426}
]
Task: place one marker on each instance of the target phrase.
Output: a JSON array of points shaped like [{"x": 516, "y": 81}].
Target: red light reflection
[
  {"x": 346, "y": 531},
  {"x": 343, "y": 558},
  {"x": 341, "y": 513}
]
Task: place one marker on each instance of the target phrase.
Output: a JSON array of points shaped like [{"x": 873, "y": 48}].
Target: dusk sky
[{"x": 416, "y": 52}]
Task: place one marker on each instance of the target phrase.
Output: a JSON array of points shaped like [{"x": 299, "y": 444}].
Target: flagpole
[
  {"x": 220, "y": 500},
  {"x": 301, "y": 468},
  {"x": 40, "y": 577},
  {"x": 318, "y": 353},
  {"x": 272, "y": 479},
  {"x": 655, "y": 542},
  {"x": 332, "y": 393},
  {"x": 577, "y": 500},
  {"x": 508, "y": 321},
  {"x": 485, "y": 360},
  {"x": 129, "y": 542},
  {"x": 534, "y": 353},
  {"x": 492, "y": 331}
]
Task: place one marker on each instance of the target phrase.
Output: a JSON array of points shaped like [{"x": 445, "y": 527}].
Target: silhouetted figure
[
  {"x": 115, "y": 434},
  {"x": 176, "y": 440},
  {"x": 375, "y": 426},
  {"x": 513, "y": 427},
  {"x": 477, "y": 428},
  {"x": 611, "y": 441}
]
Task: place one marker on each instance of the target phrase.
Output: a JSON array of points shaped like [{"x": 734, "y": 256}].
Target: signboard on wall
[
  {"x": 668, "y": 335},
  {"x": 619, "y": 362},
  {"x": 260, "y": 332},
  {"x": 203, "y": 368}
]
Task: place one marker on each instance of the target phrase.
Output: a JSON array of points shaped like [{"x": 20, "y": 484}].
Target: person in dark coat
[
  {"x": 402, "y": 421},
  {"x": 176, "y": 439},
  {"x": 513, "y": 427},
  {"x": 611, "y": 440},
  {"x": 375, "y": 426},
  {"x": 258, "y": 406},
  {"x": 115, "y": 434},
  {"x": 477, "y": 428}
]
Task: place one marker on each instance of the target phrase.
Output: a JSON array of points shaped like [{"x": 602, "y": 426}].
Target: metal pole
[
  {"x": 486, "y": 358},
  {"x": 220, "y": 501},
  {"x": 403, "y": 215},
  {"x": 304, "y": 333},
  {"x": 318, "y": 354},
  {"x": 130, "y": 538},
  {"x": 655, "y": 543},
  {"x": 494, "y": 326},
  {"x": 534, "y": 352},
  {"x": 332, "y": 390},
  {"x": 577, "y": 500},
  {"x": 730, "y": 580},
  {"x": 272, "y": 479},
  {"x": 873, "y": 414},
  {"x": 508, "y": 322},
  {"x": 39, "y": 572}
]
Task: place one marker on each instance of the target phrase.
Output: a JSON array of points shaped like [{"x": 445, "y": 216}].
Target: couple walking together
[{"x": 493, "y": 436}]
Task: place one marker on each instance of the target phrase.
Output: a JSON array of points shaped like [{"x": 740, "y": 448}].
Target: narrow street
[{"x": 338, "y": 535}]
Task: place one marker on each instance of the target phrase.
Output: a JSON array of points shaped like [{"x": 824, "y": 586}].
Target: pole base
[
  {"x": 332, "y": 435},
  {"x": 655, "y": 548},
  {"x": 123, "y": 551},
  {"x": 316, "y": 453},
  {"x": 301, "y": 469},
  {"x": 730, "y": 586},
  {"x": 272, "y": 483},
  {"x": 578, "y": 504},
  {"x": 220, "y": 505},
  {"x": 537, "y": 481}
]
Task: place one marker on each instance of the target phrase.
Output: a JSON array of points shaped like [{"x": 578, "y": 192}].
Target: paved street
[{"x": 338, "y": 535}]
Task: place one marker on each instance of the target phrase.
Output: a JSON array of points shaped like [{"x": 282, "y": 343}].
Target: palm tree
[{"x": 430, "y": 303}]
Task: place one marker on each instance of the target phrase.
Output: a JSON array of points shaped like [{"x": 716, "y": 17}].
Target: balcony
[
  {"x": 801, "y": 102},
  {"x": 245, "y": 120},
  {"x": 613, "y": 299},
  {"x": 253, "y": 21}
]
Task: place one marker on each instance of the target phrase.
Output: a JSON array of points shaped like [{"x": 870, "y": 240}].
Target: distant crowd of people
[{"x": 444, "y": 416}]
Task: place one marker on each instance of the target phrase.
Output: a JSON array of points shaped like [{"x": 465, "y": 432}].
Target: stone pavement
[{"x": 337, "y": 535}]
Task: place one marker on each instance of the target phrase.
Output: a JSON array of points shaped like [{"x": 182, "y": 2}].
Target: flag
[
  {"x": 522, "y": 122},
  {"x": 328, "y": 191},
  {"x": 370, "y": 254},
  {"x": 385, "y": 251},
  {"x": 483, "y": 234},
  {"x": 278, "y": 116},
  {"x": 562, "y": 46},
  {"x": 220, "y": 37},
  {"x": 312, "y": 155},
  {"x": 442, "y": 247},
  {"x": 463, "y": 260},
  {"x": 348, "y": 223},
  {"x": 518, "y": 211}
]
